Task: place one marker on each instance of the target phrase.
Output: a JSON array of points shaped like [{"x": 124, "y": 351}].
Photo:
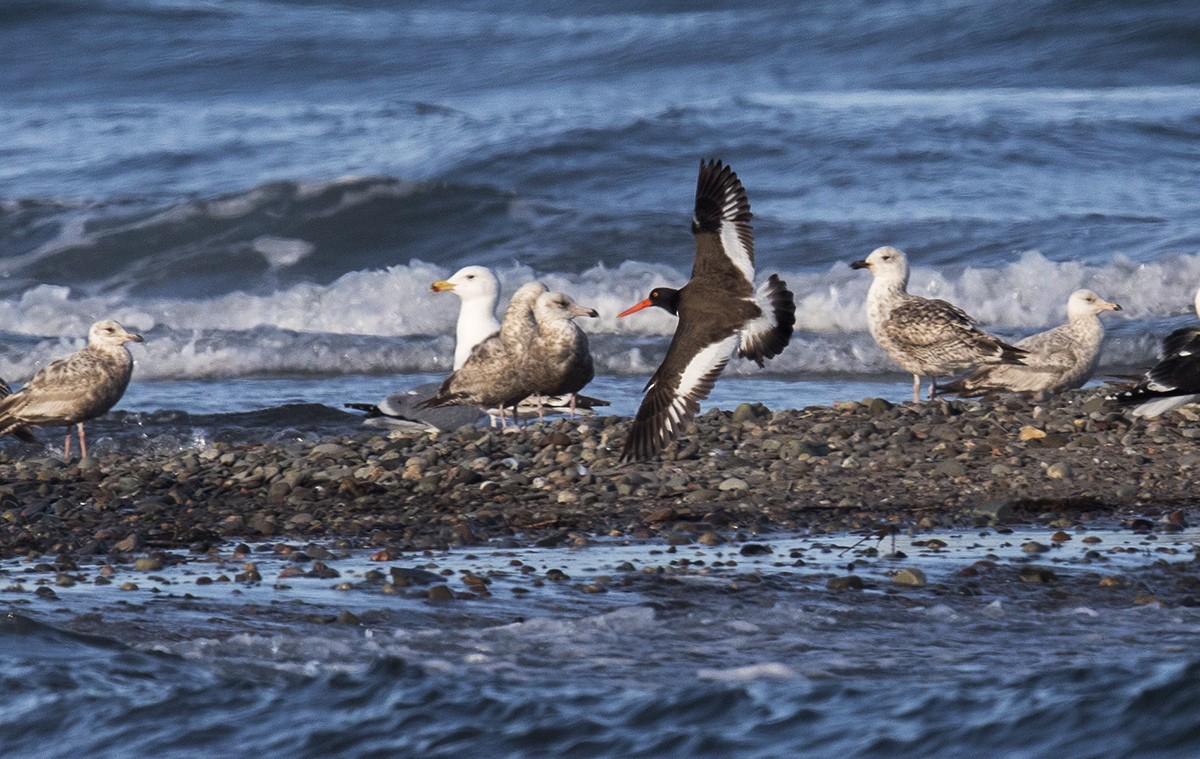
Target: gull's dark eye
[{"x": 470, "y": 276}]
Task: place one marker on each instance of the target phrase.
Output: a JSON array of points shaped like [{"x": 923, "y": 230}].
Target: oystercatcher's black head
[{"x": 663, "y": 297}]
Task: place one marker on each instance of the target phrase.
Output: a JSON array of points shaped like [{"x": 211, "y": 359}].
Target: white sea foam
[
  {"x": 388, "y": 321},
  {"x": 748, "y": 673},
  {"x": 281, "y": 252}
]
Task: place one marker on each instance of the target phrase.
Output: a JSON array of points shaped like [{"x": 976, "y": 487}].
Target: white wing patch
[
  {"x": 753, "y": 331},
  {"x": 734, "y": 247},
  {"x": 1159, "y": 406},
  {"x": 703, "y": 366}
]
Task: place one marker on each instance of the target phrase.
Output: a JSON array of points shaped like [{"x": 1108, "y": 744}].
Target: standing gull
[
  {"x": 719, "y": 312},
  {"x": 1058, "y": 359},
  {"x": 479, "y": 290},
  {"x": 558, "y": 362},
  {"x": 1174, "y": 381},
  {"x": 492, "y": 376},
  {"x": 74, "y": 389},
  {"x": 925, "y": 336}
]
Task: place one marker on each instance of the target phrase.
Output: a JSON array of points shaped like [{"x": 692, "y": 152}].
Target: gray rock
[{"x": 994, "y": 511}]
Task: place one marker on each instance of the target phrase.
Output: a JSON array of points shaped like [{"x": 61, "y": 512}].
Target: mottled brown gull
[
  {"x": 1058, "y": 359},
  {"x": 558, "y": 361},
  {"x": 925, "y": 336},
  {"x": 492, "y": 376},
  {"x": 74, "y": 389},
  {"x": 21, "y": 432}
]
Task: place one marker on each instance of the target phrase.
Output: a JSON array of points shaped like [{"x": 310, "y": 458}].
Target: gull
[
  {"x": 74, "y": 389},
  {"x": 1061, "y": 358},
  {"x": 925, "y": 336}
]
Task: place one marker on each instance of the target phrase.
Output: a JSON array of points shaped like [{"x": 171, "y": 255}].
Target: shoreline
[{"x": 853, "y": 467}]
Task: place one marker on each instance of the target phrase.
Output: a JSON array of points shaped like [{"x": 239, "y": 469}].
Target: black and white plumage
[
  {"x": 558, "y": 361},
  {"x": 719, "y": 313},
  {"x": 1061, "y": 358},
  {"x": 74, "y": 389},
  {"x": 492, "y": 376},
  {"x": 1172, "y": 382},
  {"x": 925, "y": 336}
]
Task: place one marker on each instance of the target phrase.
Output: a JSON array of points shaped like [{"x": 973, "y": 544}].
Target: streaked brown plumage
[
  {"x": 74, "y": 389},
  {"x": 558, "y": 359},
  {"x": 1061, "y": 358},
  {"x": 491, "y": 377},
  {"x": 925, "y": 336}
]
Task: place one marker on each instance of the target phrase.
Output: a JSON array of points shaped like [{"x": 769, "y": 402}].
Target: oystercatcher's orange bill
[{"x": 644, "y": 304}]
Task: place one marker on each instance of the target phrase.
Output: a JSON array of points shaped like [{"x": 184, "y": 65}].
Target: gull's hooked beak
[
  {"x": 441, "y": 286},
  {"x": 861, "y": 264},
  {"x": 577, "y": 310}
]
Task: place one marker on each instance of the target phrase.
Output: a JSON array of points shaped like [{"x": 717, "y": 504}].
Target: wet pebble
[{"x": 909, "y": 577}]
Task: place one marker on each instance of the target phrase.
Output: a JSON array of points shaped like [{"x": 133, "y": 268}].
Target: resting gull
[
  {"x": 1058, "y": 359},
  {"x": 719, "y": 313},
  {"x": 558, "y": 361},
  {"x": 1174, "y": 381},
  {"x": 492, "y": 376},
  {"x": 478, "y": 289},
  {"x": 925, "y": 336},
  {"x": 74, "y": 389}
]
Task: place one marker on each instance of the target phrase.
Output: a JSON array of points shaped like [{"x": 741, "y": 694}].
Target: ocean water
[
  {"x": 266, "y": 189},
  {"x": 701, "y": 651}
]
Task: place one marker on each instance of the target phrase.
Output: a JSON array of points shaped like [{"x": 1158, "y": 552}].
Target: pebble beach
[{"x": 856, "y": 466}]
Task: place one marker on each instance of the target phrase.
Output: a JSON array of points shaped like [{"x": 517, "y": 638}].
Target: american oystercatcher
[{"x": 719, "y": 312}]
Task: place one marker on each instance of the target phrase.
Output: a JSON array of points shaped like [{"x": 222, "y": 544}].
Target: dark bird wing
[
  {"x": 1172, "y": 382},
  {"x": 674, "y": 393},
  {"x": 721, "y": 224},
  {"x": 767, "y": 335}
]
